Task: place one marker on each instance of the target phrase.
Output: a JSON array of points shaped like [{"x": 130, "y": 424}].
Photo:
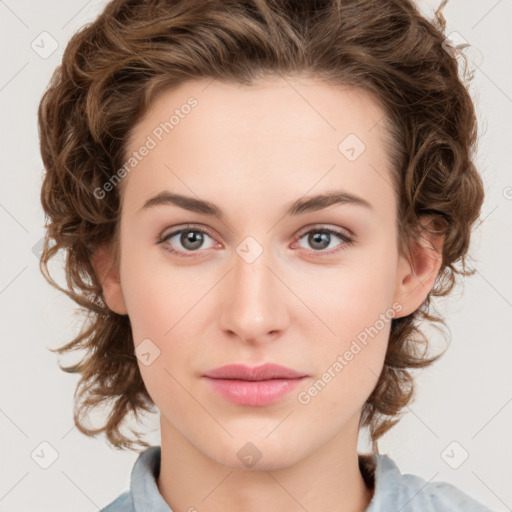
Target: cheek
[
  {"x": 163, "y": 304},
  {"x": 348, "y": 371},
  {"x": 157, "y": 294},
  {"x": 355, "y": 306},
  {"x": 344, "y": 301}
]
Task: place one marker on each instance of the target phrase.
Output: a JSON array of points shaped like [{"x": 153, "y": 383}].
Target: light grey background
[{"x": 464, "y": 399}]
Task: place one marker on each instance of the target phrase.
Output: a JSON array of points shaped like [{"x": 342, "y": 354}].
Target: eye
[
  {"x": 321, "y": 238},
  {"x": 191, "y": 239}
]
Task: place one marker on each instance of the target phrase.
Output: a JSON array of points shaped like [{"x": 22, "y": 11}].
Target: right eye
[{"x": 190, "y": 238}]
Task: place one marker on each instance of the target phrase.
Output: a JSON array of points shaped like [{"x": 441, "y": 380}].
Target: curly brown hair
[{"x": 113, "y": 69}]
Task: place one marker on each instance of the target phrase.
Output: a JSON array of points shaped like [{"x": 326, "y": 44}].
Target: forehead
[
  {"x": 209, "y": 135},
  {"x": 299, "y": 106}
]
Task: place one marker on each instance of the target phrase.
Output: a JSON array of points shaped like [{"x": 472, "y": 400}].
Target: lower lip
[{"x": 256, "y": 392}]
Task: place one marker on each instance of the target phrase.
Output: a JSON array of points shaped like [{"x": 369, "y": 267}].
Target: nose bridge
[
  {"x": 254, "y": 306},
  {"x": 252, "y": 275}
]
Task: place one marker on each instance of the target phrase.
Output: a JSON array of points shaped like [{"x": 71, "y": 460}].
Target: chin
[{"x": 256, "y": 453}]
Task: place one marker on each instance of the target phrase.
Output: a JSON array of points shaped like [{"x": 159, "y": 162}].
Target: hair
[{"x": 112, "y": 70}]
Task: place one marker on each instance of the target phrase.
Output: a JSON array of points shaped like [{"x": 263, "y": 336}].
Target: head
[{"x": 249, "y": 117}]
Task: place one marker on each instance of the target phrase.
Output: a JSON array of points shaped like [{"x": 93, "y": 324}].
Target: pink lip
[{"x": 256, "y": 386}]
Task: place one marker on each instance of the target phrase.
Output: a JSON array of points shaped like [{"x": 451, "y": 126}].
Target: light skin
[{"x": 253, "y": 151}]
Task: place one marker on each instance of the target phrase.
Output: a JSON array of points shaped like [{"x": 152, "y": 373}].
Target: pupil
[
  {"x": 322, "y": 238},
  {"x": 192, "y": 239}
]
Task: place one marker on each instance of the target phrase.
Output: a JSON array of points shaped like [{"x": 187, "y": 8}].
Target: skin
[{"x": 253, "y": 151}]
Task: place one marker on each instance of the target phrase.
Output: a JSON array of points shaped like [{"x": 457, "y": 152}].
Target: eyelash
[{"x": 345, "y": 238}]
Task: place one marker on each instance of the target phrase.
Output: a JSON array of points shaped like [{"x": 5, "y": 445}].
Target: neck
[{"x": 328, "y": 479}]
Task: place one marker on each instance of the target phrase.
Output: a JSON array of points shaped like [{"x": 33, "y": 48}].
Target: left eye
[{"x": 321, "y": 238}]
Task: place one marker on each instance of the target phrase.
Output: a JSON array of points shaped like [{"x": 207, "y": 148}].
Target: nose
[{"x": 254, "y": 304}]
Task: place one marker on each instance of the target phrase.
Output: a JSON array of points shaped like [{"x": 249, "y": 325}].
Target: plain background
[{"x": 463, "y": 403}]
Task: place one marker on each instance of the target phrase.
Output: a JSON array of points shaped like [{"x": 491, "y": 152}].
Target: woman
[{"x": 258, "y": 201}]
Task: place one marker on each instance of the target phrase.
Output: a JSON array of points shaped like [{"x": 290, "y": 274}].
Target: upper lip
[{"x": 263, "y": 372}]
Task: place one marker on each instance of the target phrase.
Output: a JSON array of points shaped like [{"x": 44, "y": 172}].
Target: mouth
[{"x": 254, "y": 386}]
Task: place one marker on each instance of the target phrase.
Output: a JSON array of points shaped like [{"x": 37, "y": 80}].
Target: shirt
[{"x": 393, "y": 491}]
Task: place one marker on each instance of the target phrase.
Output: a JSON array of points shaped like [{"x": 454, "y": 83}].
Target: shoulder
[
  {"x": 412, "y": 493},
  {"x": 122, "y": 503},
  {"x": 446, "y": 496}
]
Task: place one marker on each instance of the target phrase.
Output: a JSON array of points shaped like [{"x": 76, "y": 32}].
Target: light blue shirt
[{"x": 393, "y": 491}]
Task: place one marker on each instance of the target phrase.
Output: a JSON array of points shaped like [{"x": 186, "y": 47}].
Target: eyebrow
[{"x": 300, "y": 206}]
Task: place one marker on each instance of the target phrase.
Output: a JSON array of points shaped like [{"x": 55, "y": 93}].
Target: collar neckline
[{"x": 376, "y": 469}]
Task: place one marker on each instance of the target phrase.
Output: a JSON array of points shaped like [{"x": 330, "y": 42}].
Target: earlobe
[
  {"x": 418, "y": 270},
  {"x": 108, "y": 275}
]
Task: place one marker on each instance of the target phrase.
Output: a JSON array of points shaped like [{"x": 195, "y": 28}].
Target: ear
[
  {"x": 418, "y": 270},
  {"x": 104, "y": 264}
]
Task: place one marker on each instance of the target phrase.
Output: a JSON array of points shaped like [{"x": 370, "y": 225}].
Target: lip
[
  {"x": 263, "y": 372},
  {"x": 254, "y": 386}
]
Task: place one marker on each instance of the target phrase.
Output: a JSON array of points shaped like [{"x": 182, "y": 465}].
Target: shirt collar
[
  {"x": 143, "y": 488},
  {"x": 146, "y": 496},
  {"x": 392, "y": 490}
]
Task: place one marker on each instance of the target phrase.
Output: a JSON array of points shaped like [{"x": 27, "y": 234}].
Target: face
[{"x": 310, "y": 288}]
